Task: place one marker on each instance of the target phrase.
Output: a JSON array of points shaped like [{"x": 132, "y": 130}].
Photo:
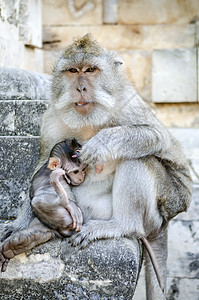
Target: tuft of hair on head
[{"x": 86, "y": 45}]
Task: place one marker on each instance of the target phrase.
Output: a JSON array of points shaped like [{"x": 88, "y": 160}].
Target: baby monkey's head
[{"x": 65, "y": 155}]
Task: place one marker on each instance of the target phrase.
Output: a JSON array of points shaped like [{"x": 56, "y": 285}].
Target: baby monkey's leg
[{"x": 24, "y": 240}]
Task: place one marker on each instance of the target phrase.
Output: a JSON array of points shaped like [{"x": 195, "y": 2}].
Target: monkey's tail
[{"x": 154, "y": 262}]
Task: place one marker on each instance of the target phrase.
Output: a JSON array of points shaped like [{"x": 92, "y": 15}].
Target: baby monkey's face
[{"x": 77, "y": 174}]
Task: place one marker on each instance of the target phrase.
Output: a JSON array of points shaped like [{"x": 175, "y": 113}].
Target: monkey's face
[
  {"x": 85, "y": 93},
  {"x": 77, "y": 175},
  {"x": 82, "y": 89}
]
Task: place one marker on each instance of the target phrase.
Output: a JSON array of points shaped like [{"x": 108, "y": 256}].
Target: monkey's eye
[
  {"x": 76, "y": 172},
  {"x": 91, "y": 69},
  {"x": 73, "y": 70}
]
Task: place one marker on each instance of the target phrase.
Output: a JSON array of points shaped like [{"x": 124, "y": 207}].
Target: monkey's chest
[{"x": 94, "y": 196}]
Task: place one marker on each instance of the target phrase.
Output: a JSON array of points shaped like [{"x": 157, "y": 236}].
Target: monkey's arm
[
  {"x": 126, "y": 142},
  {"x": 74, "y": 211}
]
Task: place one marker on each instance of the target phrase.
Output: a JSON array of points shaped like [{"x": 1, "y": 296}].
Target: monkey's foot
[{"x": 24, "y": 240}]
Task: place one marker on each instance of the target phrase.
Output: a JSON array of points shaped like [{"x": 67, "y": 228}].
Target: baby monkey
[
  {"x": 49, "y": 198},
  {"x": 52, "y": 202}
]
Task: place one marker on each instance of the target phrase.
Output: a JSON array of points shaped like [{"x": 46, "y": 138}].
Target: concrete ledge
[
  {"x": 21, "y": 84},
  {"x": 107, "y": 269}
]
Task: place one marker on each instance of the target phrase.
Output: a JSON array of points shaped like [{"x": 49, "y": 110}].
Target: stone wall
[{"x": 21, "y": 34}]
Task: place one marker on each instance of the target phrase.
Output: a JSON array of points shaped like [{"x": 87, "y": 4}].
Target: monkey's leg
[
  {"x": 159, "y": 245},
  {"x": 24, "y": 240},
  {"x": 49, "y": 211}
]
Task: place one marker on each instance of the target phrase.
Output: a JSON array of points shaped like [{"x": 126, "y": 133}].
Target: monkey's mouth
[{"x": 81, "y": 103}]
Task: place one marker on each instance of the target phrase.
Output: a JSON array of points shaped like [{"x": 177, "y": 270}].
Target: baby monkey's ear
[{"x": 54, "y": 163}]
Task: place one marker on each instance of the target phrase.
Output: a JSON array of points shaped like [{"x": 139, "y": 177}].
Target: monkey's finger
[{"x": 5, "y": 264}]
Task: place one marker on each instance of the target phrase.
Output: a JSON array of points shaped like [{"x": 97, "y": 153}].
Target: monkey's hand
[
  {"x": 97, "y": 229},
  {"x": 75, "y": 214},
  {"x": 3, "y": 261},
  {"x": 96, "y": 150}
]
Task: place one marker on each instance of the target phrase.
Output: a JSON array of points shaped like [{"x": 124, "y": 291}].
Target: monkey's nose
[{"x": 81, "y": 89}]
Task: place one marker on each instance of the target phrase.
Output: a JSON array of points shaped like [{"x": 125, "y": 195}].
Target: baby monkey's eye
[
  {"x": 73, "y": 70},
  {"x": 91, "y": 69},
  {"x": 76, "y": 172}
]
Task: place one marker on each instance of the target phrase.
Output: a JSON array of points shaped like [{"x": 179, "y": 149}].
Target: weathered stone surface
[
  {"x": 174, "y": 76},
  {"x": 20, "y": 84},
  {"x": 13, "y": 193},
  {"x": 28, "y": 117},
  {"x": 107, "y": 269},
  {"x": 21, "y": 117},
  {"x": 183, "y": 258},
  {"x": 33, "y": 59},
  {"x": 30, "y": 22},
  {"x": 181, "y": 115},
  {"x": 158, "y": 12},
  {"x": 141, "y": 37},
  {"x": 177, "y": 288},
  {"x": 7, "y": 117},
  {"x": 138, "y": 69},
  {"x": 110, "y": 11},
  {"x": 61, "y": 12},
  {"x": 190, "y": 142},
  {"x": 18, "y": 158}
]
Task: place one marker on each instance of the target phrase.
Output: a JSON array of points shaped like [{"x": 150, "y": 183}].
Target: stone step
[{"x": 21, "y": 117}]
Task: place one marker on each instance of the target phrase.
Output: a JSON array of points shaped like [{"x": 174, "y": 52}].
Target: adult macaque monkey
[{"x": 93, "y": 102}]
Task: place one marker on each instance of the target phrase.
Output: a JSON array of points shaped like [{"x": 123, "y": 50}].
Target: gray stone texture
[
  {"x": 19, "y": 84},
  {"x": 21, "y": 117},
  {"x": 18, "y": 158},
  {"x": 174, "y": 75},
  {"x": 55, "y": 270}
]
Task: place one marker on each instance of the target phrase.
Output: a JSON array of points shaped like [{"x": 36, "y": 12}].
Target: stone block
[
  {"x": 72, "y": 12},
  {"x": 56, "y": 270},
  {"x": 30, "y": 22},
  {"x": 189, "y": 140},
  {"x": 110, "y": 11},
  {"x": 177, "y": 288},
  {"x": 157, "y": 12},
  {"x": 183, "y": 244},
  {"x": 174, "y": 76},
  {"x": 181, "y": 115},
  {"x": 7, "y": 117},
  {"x": 123, "y": 37},
  {"x": 13, "y": 193},
  {"x": 33, "y": 59},
  {"x": 21, "y": 117},
  {"x": 188, "y": 137},
  {"x": 28, "y": 117},
  {"x": 18, "y": 160},
  {"x": 182, "y": 288},
  {"x": 11, "y": 57},
  {"x": 21, "y": 84},
  {"x": 18, "y": 157},
  {"x": 138, "y": 69}
]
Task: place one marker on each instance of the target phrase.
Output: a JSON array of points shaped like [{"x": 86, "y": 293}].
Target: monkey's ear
[
  {"x": 54, "y": 163},
  {"x": 118, "y": 63}
]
